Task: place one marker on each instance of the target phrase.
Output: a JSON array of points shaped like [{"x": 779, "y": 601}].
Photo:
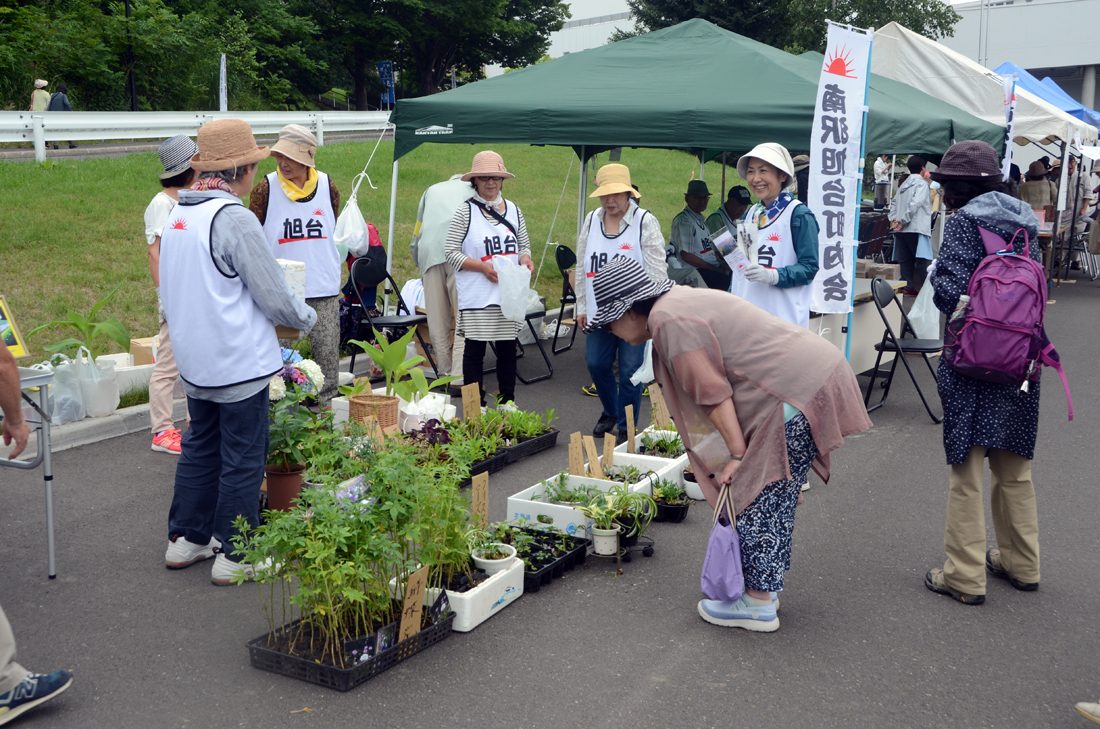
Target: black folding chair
[
  {"x": 883, "y": 295},
  {"x": 367, "y": 275},
  {"x": 566, "y": 259}
]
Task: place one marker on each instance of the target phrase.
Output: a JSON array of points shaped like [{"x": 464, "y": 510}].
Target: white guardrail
[{"x": 43, "y": 128}]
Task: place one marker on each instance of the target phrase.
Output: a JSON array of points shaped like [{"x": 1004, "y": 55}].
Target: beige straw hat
[
  {"x": 225, "y": 144},
  {"x": 613, "y": 178},
  {"x": 41, "y": 83},
  {"x": 297, "y": 143},
  {"x": 487, "y": 164},
  {"x": 771, "y": 152}
]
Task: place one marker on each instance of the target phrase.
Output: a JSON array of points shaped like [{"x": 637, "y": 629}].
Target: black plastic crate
[
  {"x": 492, "y": 464},
  {"x": 266, "y": 658},
  {"x": 531, "y": 446},
  {"x": 534, "y": 580}
]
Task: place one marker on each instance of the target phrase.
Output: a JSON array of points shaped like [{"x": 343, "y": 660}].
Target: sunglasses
[{"x": 491, "y": 179}]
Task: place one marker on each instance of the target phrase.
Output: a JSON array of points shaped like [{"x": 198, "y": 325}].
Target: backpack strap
[
  {"x": 1048, "y": 355},
  {"x": 994, "y": 243}
]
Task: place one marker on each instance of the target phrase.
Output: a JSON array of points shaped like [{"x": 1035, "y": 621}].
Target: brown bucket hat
[{"x": 225, "y": 144}]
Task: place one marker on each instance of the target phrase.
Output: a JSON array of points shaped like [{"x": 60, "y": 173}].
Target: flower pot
[
  {"x": 492, "y": 566},
  {"x": 283, "y": 486},
  {"x": 674, "y": 513},
  {"x": 382, "y": 408},
  {"x": 605, "y": 541}
]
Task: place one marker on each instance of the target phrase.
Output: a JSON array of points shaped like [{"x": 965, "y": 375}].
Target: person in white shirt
[{"x": 883, "y": 173}]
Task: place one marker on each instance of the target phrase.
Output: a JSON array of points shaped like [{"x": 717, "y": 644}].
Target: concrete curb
[{"x": 93, "y": 430}]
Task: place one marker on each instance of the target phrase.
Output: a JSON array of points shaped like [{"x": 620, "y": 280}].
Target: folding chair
[
  {"x": 883, "y": 295},
  {"x": 566, "y": 259},
  {"x": 367, "y": 275}
]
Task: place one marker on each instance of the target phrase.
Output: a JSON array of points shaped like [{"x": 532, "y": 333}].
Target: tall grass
[{"x": 71, "y": 230}]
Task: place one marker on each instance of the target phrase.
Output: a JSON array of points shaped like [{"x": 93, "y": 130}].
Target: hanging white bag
[
  {"x": 924, "y": 316},
  {"x": 514, "y": 281},
  {"x": 66, "y": 399},
  {"x": 98, "y": 384},
  {"x": 350, "y": 234}
]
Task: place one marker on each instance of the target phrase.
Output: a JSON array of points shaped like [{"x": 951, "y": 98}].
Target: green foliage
[
  {"x": 662, "y": 445},
  {"x": 403, "y": 376},
  {"x": 334, "y": 455},
  {"x": 557, "y": 490},
  {"x": 292, "y": 428},
  {"x": 634, "y": 510},
  {"x": 668, "y": 492},
  {"x": 90, "y": 329},
  {"x": 526, "y": 424}
]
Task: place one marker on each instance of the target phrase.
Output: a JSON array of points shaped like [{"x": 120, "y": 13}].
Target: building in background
[{"x": 1056, "y": 38}]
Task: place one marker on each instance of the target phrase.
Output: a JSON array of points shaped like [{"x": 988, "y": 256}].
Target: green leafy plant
[
  {"x": 91, "y": 328},
  {"x": 483, "y": 544},
  {"x": 557, "y": 490},
  {"x": 291, "y": 427},
  {"x": 335, "y": 455},
  {"x": 633, "y": 510},
  {"x": 359, "y": 386},
  {"x": 402, "y": 374},
  {"x": 624, "y": 474},
  {"x": 662, "y": 445},
  {"x": 669, "y": 492},
  {"x": 525, "y": 424},
  {"x": 602, "y": 510}
]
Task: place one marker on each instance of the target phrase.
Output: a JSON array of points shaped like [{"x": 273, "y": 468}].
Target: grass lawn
[{"x": 73, "y": 230}]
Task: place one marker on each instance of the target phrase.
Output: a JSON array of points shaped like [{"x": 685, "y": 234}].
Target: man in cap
[
  {"x": 175, "y": 157},
  {"x": 732, "y": 211},
  {"x": 692, "y": 260},
  {"x": 222, "y": 290},
  {"x": 296, "y": 205}
]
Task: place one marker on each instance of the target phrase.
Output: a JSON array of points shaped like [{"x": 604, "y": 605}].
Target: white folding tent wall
[{"x": 935, "y": 69}]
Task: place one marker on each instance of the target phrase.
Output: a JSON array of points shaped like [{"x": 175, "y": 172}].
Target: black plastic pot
[
  {"x": 524, "y": 448},
  {"x": 672, "y": 512},
  {"x": 533, "y": 580}
]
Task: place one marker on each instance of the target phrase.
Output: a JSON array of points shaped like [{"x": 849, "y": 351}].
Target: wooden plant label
[
  {"x": 374, "y": 431},
  {"x": 593, "y": 457},
  {"x": 471, "y": 401},
  {"x": 576, "y": 455},
  {"x": 479, "y": 499},
  {"x": 608, "y": 451},
  {"x": 414, "y": 603},
  {"x": 661, "y": 418},
  {"x": 630, "y": 431}
]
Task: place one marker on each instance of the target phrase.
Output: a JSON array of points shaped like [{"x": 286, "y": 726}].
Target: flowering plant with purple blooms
[{"x": 297, "y": 373}]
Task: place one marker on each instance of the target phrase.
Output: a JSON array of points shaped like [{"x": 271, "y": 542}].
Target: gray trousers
[
  {"x": 324, "y": 340},
  {"x": 441, "y": 303},
  {"x": 11, "y": 673}
]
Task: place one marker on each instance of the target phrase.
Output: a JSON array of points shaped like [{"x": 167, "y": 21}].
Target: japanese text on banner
[{"x": 835, "y": 170}]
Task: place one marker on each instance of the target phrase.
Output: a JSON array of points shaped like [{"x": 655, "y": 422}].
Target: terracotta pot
[{"x": 283, "y": 486}]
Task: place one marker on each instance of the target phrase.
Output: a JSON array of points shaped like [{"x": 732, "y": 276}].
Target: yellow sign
[{"x": 9, "y": 333}]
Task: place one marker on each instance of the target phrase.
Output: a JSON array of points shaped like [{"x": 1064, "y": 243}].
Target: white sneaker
[
  {"x": 182, "y": 553},
  {"x": 806, "y": 486},
  {"x": 225, "y": 570},
  {"x": 1089, "y": 710}
]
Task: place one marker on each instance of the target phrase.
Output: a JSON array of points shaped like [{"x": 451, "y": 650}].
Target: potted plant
[
  {"x": 672, "y": 501},
  {"x": 661, "y": 444},
  {"x": 90, "y": 328},
  {"x": 402, "y": 375},
  {"x": 489, "y": 556},
  {"x": 291, "y": 425},
  {"x": 603, "y": 512},
  {"x": 527, "y": 432},
  {"x": 546, "y": 552},
  {"x": 635, "y": 511}
]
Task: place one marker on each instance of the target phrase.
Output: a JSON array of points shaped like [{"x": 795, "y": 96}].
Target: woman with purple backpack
[{"x": 983, "y": 419}]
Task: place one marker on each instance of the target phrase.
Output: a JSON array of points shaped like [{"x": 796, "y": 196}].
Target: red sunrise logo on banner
[
  {"x": 319, "y": 213},
  {"x": 774, "y": 237},
  {"x": 626, "y": 247},
  {"x": 840, "y": 64}
]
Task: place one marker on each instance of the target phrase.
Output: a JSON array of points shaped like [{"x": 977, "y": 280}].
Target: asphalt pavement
[{"x": 862, "y": 642}]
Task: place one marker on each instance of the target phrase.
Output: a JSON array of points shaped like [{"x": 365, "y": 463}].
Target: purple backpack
[{"x": 1001, "y": 338}]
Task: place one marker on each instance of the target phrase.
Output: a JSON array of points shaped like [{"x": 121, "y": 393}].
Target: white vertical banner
[
  {"x": 836, "y": 150},
  {"x": 223, "y": 89},
  {"x": 1009, "y": 84}
]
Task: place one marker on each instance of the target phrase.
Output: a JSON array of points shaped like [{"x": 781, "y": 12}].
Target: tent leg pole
[
  {"x": 723, "y": 190},
  {"x": 582, "y": 189},
  {"x": 702, "y": 166},
  {"x": 389, "y": 233}
]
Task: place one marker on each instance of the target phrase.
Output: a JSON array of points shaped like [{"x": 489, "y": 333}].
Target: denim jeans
[
  {"x": 220, "y": 469},
  {"x": 600, "y": 351}
]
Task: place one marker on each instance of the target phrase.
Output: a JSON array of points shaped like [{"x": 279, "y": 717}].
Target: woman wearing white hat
[
  {"x": 784, "y": 250},
  {"x": 297, "y": 206},
  {"x": 484, "y": 227},
  {"x": 617, "y": 227},
  {"x": 40, "y": 98}
]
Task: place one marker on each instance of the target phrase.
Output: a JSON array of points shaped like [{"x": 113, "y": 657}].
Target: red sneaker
[{"x": 167, "y": 441}]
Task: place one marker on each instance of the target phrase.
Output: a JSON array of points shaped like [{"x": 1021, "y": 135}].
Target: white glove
[{"x": 760, "y": 274}]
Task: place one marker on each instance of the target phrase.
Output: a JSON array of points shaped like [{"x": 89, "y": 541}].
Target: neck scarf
[
  {"x": 204, "y": 184},
  {"x": 294, "y": 192},
  {"x": 774, "y": 208},
  {"x": 496, "y": 203}
]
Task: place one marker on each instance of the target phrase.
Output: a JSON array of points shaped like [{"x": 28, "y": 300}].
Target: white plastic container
[
  {"x": 474, "y": 607},
  {"x": 529, "y": 504},
  {"x": 676, "y": 473}
]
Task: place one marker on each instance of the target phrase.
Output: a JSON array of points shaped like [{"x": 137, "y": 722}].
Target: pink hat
[{"x": 487, "y": 164}]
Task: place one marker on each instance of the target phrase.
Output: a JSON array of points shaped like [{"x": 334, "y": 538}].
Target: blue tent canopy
[{"x": 1049, "y": 91}]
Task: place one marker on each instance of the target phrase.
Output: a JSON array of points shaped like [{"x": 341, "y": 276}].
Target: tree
[{"x": 795, "y": 25}]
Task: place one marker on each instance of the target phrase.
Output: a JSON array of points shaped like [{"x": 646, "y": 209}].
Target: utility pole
[{"x": 130, "y": 60}]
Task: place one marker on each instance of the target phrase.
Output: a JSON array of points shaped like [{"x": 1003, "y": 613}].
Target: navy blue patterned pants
[{"x": 766, "y": 525}]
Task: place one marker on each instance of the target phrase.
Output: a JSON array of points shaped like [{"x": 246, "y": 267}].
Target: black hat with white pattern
[
  {"x": 176, "y": 154},
  {"x": 617, "y": 286}
]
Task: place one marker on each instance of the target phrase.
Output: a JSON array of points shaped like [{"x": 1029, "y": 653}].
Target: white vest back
[
  {"x": 600, "y": 249},
  {"x": 219, "y": 336},
  {"x": 485, "y": 239},
  {"x": 774, "y": 248},
  {"x": 302, "y": 231}
]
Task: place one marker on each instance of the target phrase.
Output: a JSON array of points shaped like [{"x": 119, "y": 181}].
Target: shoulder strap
[
  {"x": 994, "y": 243},
  {"x": 496, "y": 216}
]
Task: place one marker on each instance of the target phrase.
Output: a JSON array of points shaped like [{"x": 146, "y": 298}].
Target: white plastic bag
[
  {"x": 98, "y": 384},
  {"x": 924, "y": 316},
  {"x": 67, "y": 401},
  {"x": 350, "y": 234},
  {"x": 434, "y": 405},
  {"x": 644, "y": 374},
  {"x": 514, "y": 281}
]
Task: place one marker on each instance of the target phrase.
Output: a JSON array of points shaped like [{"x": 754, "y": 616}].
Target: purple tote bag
[{"x": 722, "y": 577}]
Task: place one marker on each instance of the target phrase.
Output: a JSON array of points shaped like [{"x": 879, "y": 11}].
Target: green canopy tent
[{"x": 693, "y": 87}]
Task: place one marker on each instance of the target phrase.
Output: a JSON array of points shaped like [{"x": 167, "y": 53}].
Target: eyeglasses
[{"x": 491, "y": 179}]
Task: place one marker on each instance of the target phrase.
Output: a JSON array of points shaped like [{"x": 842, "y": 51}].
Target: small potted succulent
[{"x": 672, "y": 501}]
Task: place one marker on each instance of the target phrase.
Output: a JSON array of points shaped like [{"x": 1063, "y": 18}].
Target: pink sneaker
[{"x": 167, "y": 441}]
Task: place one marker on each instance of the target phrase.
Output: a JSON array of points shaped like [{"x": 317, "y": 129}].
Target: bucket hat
[
  {"x": 1037, "y": 169},
  {"x": 774, "y": 154},
  {"x": 225, "y": 144},
  {"x": 617, "y": 286},
  {"x": 800, "y": 162},
  {"x": 297, "y": 143},
  {"x": 697, "y": 187},
  {"x": 41, "y": 83},
  {"x": 176, "y": 154},
  {"x": 969, "y": 160},
  {"x": 487, "y": 164},
  {"x": 613, "y": 178}
]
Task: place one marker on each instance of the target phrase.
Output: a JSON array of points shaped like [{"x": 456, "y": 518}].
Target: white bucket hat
[{"x": 774, "y": 154}]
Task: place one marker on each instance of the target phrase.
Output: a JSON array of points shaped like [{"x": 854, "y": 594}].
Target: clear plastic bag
[
  {"x": 924, "y": 316},
  {"x": 514, "y": 281},
  {"x": 350, "y": 234},
  {"x": 98, "y": 384},
  {"x": 67, "y": 401}
]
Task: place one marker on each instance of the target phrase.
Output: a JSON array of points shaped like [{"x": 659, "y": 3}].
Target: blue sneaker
[
  {"x": 35, "y": 689},
  {"x": 740, "y": 614}
]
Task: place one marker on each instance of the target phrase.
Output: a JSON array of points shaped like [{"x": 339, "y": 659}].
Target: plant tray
[
  {"x": 673, "y": 513},
  {"x": 531, "y": 446},
  {"x": 534, "y": 580},
  {"x": 492, "y": 464},
  {"x": 266, "y": 658}
]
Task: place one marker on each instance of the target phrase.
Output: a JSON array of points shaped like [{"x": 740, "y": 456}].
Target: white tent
[{"x": 900, "y": 54}]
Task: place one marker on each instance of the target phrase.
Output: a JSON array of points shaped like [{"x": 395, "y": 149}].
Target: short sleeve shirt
[{"x": 156, "y": 215}]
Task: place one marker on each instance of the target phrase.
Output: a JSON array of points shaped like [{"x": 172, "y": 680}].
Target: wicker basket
[{"x": 382, "y": 408}]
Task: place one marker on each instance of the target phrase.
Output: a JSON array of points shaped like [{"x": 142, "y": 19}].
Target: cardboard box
[
  {"x": 889, "y": 271},
  {"x": 295, "y": 274},
  {"x": 143, "y": 350},
  {"x": 283, "y": 332}
]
